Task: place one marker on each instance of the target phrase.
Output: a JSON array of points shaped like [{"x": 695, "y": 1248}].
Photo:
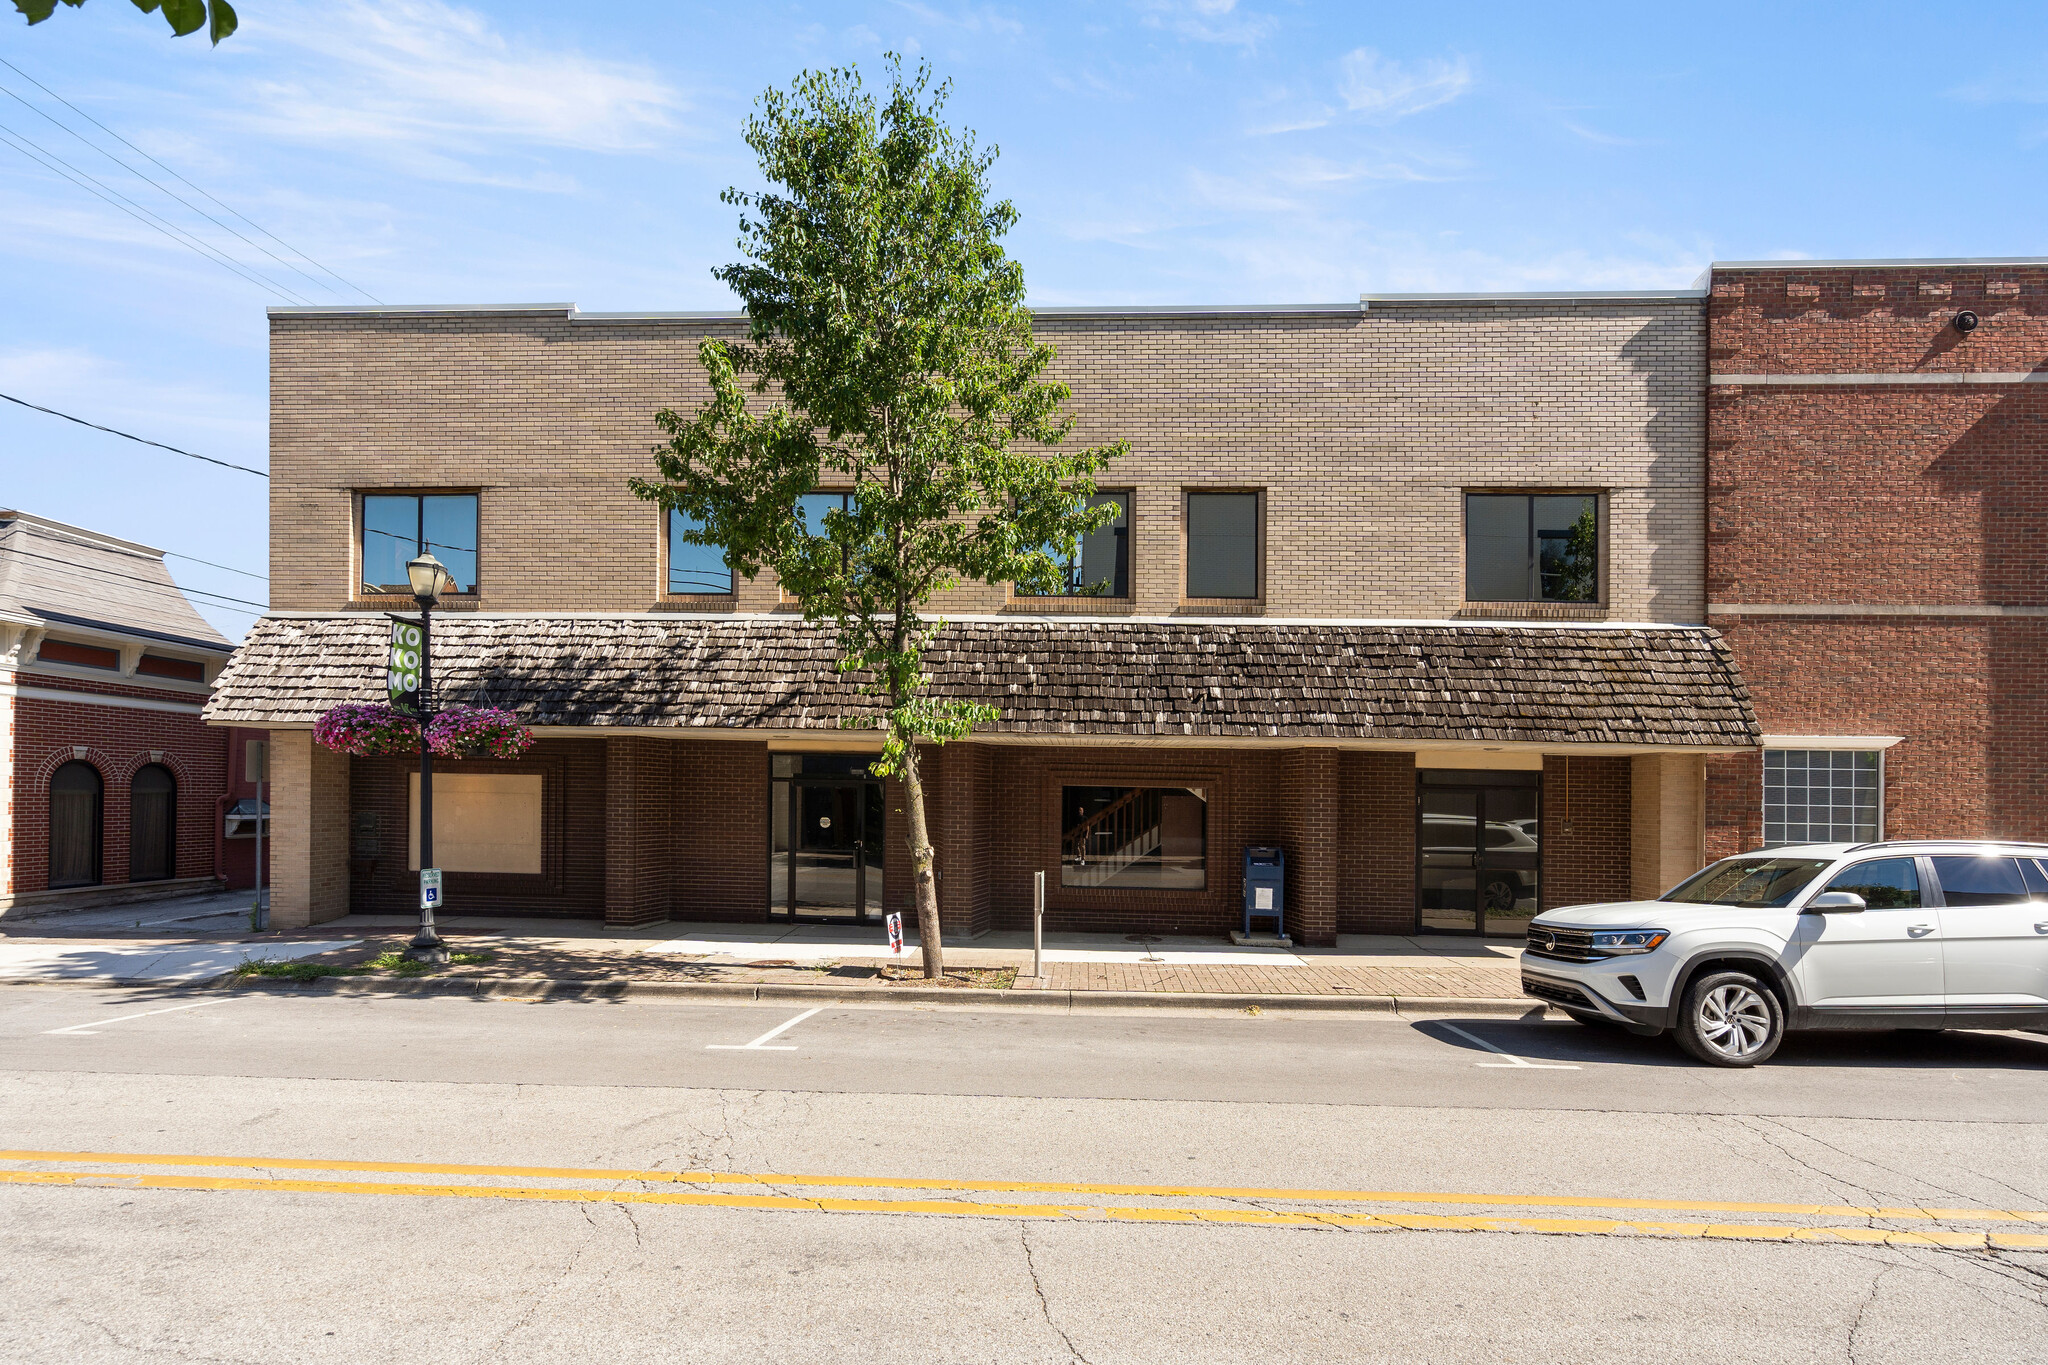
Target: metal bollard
[{"x": 1037, "y": 925}]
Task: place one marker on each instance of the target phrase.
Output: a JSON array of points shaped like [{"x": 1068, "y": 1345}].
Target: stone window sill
[
  {"x": 1221, "y": 606},
  {"x": 1534, "y": 611},
  {"x": 398, "y": 603},
  {"x": 1071, "y": 606},
  {"x": 702, "y": 601}
]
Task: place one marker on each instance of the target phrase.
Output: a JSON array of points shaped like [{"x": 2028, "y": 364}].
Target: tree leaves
[{"x": 217, "y": 17}]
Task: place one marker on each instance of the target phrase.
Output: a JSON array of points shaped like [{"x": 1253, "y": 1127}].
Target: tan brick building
[{"x": 1414, "y": 589}]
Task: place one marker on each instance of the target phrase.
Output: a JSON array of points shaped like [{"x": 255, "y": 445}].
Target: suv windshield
[{"x": 1749, "y": 881}]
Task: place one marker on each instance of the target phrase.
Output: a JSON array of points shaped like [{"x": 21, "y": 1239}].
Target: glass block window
[{"x": 1823, "y": 796}]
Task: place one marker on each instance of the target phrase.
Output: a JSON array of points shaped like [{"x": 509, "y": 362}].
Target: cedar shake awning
[{"x": 1657, "y": 686}]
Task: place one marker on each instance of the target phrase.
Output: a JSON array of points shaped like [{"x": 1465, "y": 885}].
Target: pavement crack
[
  {"x": 1863, "y": 1309},
  {"x": 1038, "y": 1288}
]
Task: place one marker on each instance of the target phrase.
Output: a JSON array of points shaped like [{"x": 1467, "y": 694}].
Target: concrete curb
[{"x": 958, "y": 997}]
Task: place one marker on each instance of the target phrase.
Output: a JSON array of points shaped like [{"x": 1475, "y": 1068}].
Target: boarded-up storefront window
[{"x": 483, "y": 822}]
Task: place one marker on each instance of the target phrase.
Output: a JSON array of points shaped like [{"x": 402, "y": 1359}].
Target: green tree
[
  {"x": 894, "y": 358},
  {"x": 217, "y": 17}
]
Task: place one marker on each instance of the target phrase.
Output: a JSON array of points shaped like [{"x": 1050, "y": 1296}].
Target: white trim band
[
  {"x": 100, "y": 699},
  {"x": 1858, "y": 742},
  {"x": 1921, "y": 377},
  {"x": 1931, "y": 609}
]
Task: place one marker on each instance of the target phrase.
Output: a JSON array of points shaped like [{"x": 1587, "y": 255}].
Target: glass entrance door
[
  {"x": 826, "y": 839},
  {"x": 1478, "y": 860}
]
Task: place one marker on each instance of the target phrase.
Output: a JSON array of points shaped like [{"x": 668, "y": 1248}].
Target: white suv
[{"x": 1902, "y": 934}]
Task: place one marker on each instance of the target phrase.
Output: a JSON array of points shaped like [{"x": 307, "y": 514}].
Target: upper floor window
[
  {"x": 1222, "y": 544},
  {"x": 81, "y": 656},
  {"x": 812, "y": 507},
  {"x": 1532, "y": 547},
  {"x": 694, "y": 568},
  {"x": 1101, "y": 565},
  {"x": 398, "y": 527}
]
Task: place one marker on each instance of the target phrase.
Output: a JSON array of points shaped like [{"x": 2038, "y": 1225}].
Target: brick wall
[
  {"x": 1885, "y": 537},
  {"x": 1376, "y": 844},
  {"x": 1592, "y": 862},
  {"x": 571, "y": 882},
  {"x": 118, "y": 742},
  {"x": 309, "y": 805},
  {"x": 640, "y": 808},
  {"x": 1363, "y": 430},
  {"x": 721, "y": 830}
]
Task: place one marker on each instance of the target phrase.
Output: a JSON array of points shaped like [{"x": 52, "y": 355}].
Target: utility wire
[
  {"x": 160, "y": 186},
  {"x": 152, "y": 584},
  {"x": 260, "y": 578},
  {"x": 86, "y": 180},
  {"x": 145, "y": 441},
  {"x": 126, "y": 143}
]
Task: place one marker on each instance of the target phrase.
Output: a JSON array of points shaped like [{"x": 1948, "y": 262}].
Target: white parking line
[
  {"x": 1512, "y": 1059},
  {"x": 761, "y": 1044},
  {"x": 88, "y": 1029}
]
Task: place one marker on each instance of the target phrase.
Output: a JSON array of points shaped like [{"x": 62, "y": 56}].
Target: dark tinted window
[
  {"x": 1223, "y": 545},
  {"x": 1522, "y": 547},
  {"x": 75, "y": 825},
  {"x": 2037, "y": 881},
  {"x": 1101, "y": 564},
  {"x": 1970, "y": 880},
  {"x": 1884, "y": 883},
  {"x": 1749, "y": 881}
]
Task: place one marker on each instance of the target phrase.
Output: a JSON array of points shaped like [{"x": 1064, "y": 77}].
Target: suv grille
[
  {"x": 1559, "y": 994},
  {"x": 1564, "y": 945}
]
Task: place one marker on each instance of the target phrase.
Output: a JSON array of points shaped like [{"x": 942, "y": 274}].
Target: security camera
[{"x": 1966, "y": 322}]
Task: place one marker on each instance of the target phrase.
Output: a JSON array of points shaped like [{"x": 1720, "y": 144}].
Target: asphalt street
[{"x": 267, "y": 1176}]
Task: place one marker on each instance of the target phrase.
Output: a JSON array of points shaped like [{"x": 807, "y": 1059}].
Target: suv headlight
[{"x": 1627, "y": 942}]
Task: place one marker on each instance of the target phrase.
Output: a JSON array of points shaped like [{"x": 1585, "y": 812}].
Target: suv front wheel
[{"x": 1730, "y": 1019}]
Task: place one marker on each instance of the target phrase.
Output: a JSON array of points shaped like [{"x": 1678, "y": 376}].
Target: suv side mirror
[{"x": 1835, "y": 902}]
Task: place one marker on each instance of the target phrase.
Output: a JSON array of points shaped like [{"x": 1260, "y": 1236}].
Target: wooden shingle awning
[{"x": 1674, "y": 686}]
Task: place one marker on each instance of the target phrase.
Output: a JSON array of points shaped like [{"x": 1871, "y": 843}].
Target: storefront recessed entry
[{"x": 827, "y": 837}]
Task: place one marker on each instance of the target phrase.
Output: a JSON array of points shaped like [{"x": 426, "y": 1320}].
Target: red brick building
[
  {"x": 114, "y": 786},
  {"x": 1877, "y": 479}
]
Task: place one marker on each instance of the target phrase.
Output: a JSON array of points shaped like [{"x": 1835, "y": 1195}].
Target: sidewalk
[{"x": 201, "y": 943}]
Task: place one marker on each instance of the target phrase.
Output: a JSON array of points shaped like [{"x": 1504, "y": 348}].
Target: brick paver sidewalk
[{"x": 559, "y": 961}]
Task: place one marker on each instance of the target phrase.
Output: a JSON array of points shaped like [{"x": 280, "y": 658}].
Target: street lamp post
[{"x": 429, "y": 580}]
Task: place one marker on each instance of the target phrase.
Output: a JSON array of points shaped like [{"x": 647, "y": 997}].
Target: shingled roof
[{"x": 1481, "y": 683}]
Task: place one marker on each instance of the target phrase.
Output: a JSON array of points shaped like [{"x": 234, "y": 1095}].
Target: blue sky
[{"x": 1218, "y": 151}]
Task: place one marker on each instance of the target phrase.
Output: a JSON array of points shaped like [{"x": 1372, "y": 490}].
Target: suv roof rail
[{"x": 1893, "y": 843}]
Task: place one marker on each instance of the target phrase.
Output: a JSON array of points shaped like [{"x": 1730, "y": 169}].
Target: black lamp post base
[{"x": 428, "y": 948}]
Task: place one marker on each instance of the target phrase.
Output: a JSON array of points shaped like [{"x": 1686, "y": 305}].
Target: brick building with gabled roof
[{"x": 115, "y": 788}]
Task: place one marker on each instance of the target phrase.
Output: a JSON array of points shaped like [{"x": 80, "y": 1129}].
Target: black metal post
[{"x": 426, "y": 944}]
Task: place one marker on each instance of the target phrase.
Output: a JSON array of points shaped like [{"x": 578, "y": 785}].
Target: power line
[
  {"x": 260, "y": 578},
  {"x": 87, "y": 181},
  {"x": 144, "y": 440},
  {"x": 152, "y": 584},
  {"x": 244, "y": 217},
  {"x": 43, "y": 114}
]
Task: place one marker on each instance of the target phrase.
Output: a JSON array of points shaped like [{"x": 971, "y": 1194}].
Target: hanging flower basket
[
  {"x": 477, "y": 732},
  {"x": 368, "y": 731}
]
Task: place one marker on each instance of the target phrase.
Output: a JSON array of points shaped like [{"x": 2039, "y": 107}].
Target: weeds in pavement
[{"x": 293, "y": 971}]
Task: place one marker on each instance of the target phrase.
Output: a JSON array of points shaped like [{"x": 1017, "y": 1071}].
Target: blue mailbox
[{"x": 1265, "y": 887}]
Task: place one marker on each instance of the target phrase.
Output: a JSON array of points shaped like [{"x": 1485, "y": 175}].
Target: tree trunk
[{"x": 926, "y": 884}]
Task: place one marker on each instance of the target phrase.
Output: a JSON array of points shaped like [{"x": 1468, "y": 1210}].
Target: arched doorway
[
  {"x": 153, "y": 825},
  {"x": 75, "y": 801}
]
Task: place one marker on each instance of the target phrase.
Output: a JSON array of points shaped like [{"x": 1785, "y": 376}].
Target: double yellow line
[{"x": 1379, "y": 1221}]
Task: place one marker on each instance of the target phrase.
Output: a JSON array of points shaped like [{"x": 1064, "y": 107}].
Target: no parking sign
[{"x": 895, "y": 923}]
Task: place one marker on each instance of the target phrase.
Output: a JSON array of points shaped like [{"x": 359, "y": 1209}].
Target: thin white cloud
[
  {"x": 1383, "y": 90},
  {"x": 77, "y": 380},
  {"x": 438, "y": 80},
  {"x": 1596, "y": 137},
  {"x": 967, "y": 18},
  {"x": 1207, "y": 21}
]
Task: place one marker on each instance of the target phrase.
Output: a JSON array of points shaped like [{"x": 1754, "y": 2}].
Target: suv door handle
[
  {"x": 2041, "y": 926},
  {"x": 1919, "y": 930}
]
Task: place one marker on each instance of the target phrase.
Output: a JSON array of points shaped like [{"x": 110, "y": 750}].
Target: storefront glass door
[
  {"x": 825, "y": 838},
  {"x": 1478, "y": 863}
]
